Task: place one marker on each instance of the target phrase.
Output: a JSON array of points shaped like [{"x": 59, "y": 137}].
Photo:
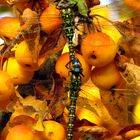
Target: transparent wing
[{"x": 116, "y": 10}]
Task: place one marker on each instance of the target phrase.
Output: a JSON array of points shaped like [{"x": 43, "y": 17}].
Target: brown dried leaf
[
  {"x": 98, "y": 108},
  {"x": 3, "y": 2},
  {"x": 59, "y": 98},
  {"x": 19, "y": 5},
  {"x": 22, "y": 119},
  {"x": 55, "y": 97},
  {"x": 93, "y": 129},
  {"x": 130, "y": 40},
  {"x": 91, "y": 3},
  {"x": 30, "y": 30},
  {"x": 54, "y": 43},
  {"x": 42, "y": 91},
  {"x": 131, "y": 74},
  {"x": 128, "y": 132},
  {"x": 131, "y": 48},
  {"x": 30, "y": 106},
  {"x": 132, "y": 134},
  {"x": 11, "y": 2},
  {"x": 116, "y": 105},
  {"x": 130, "y": 27},
  {"x": 96, "y": 132}
]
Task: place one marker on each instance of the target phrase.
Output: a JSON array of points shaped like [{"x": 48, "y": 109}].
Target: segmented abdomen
[{"x": 75, "y": 83}]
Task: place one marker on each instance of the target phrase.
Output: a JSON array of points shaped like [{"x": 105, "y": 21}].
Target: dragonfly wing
[{"x": 116, "y": 10}]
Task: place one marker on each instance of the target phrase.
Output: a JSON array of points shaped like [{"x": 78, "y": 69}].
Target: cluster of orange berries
[
  {"x": 98, "y": 51},
  {"x": 19, "y": 69},
  {"x": 23, "y": 129}
]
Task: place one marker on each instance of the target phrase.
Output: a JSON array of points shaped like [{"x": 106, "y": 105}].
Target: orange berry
[
  {"x": 19, "y": 73},
  {"x": 134, "y": 4},
  {"x": 24, "y": 57},
  {"x": 17, "y": 119},
  {"x": 7, "y": 90},
  {"x": 98, "y": 49},
  {"x": 54, "y": 131},
  {"x": 50, "y": 19},
  {"x": 106, "y": 77},
  {"x": 38, "y": 135},
  {"x": 61, "y": 69},
  {"x": 20, "y": 132},
  {"x": 9, "y": 27}
]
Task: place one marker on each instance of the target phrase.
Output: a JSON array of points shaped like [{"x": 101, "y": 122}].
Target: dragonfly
[
  {"x": 53, "y": 39},
  {"x": 76, "y": 69}
]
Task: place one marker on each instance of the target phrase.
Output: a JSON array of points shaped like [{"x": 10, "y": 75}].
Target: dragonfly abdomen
[
  {"x": 75, "y": 82},
  {"x": 67, "y": 15}
]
